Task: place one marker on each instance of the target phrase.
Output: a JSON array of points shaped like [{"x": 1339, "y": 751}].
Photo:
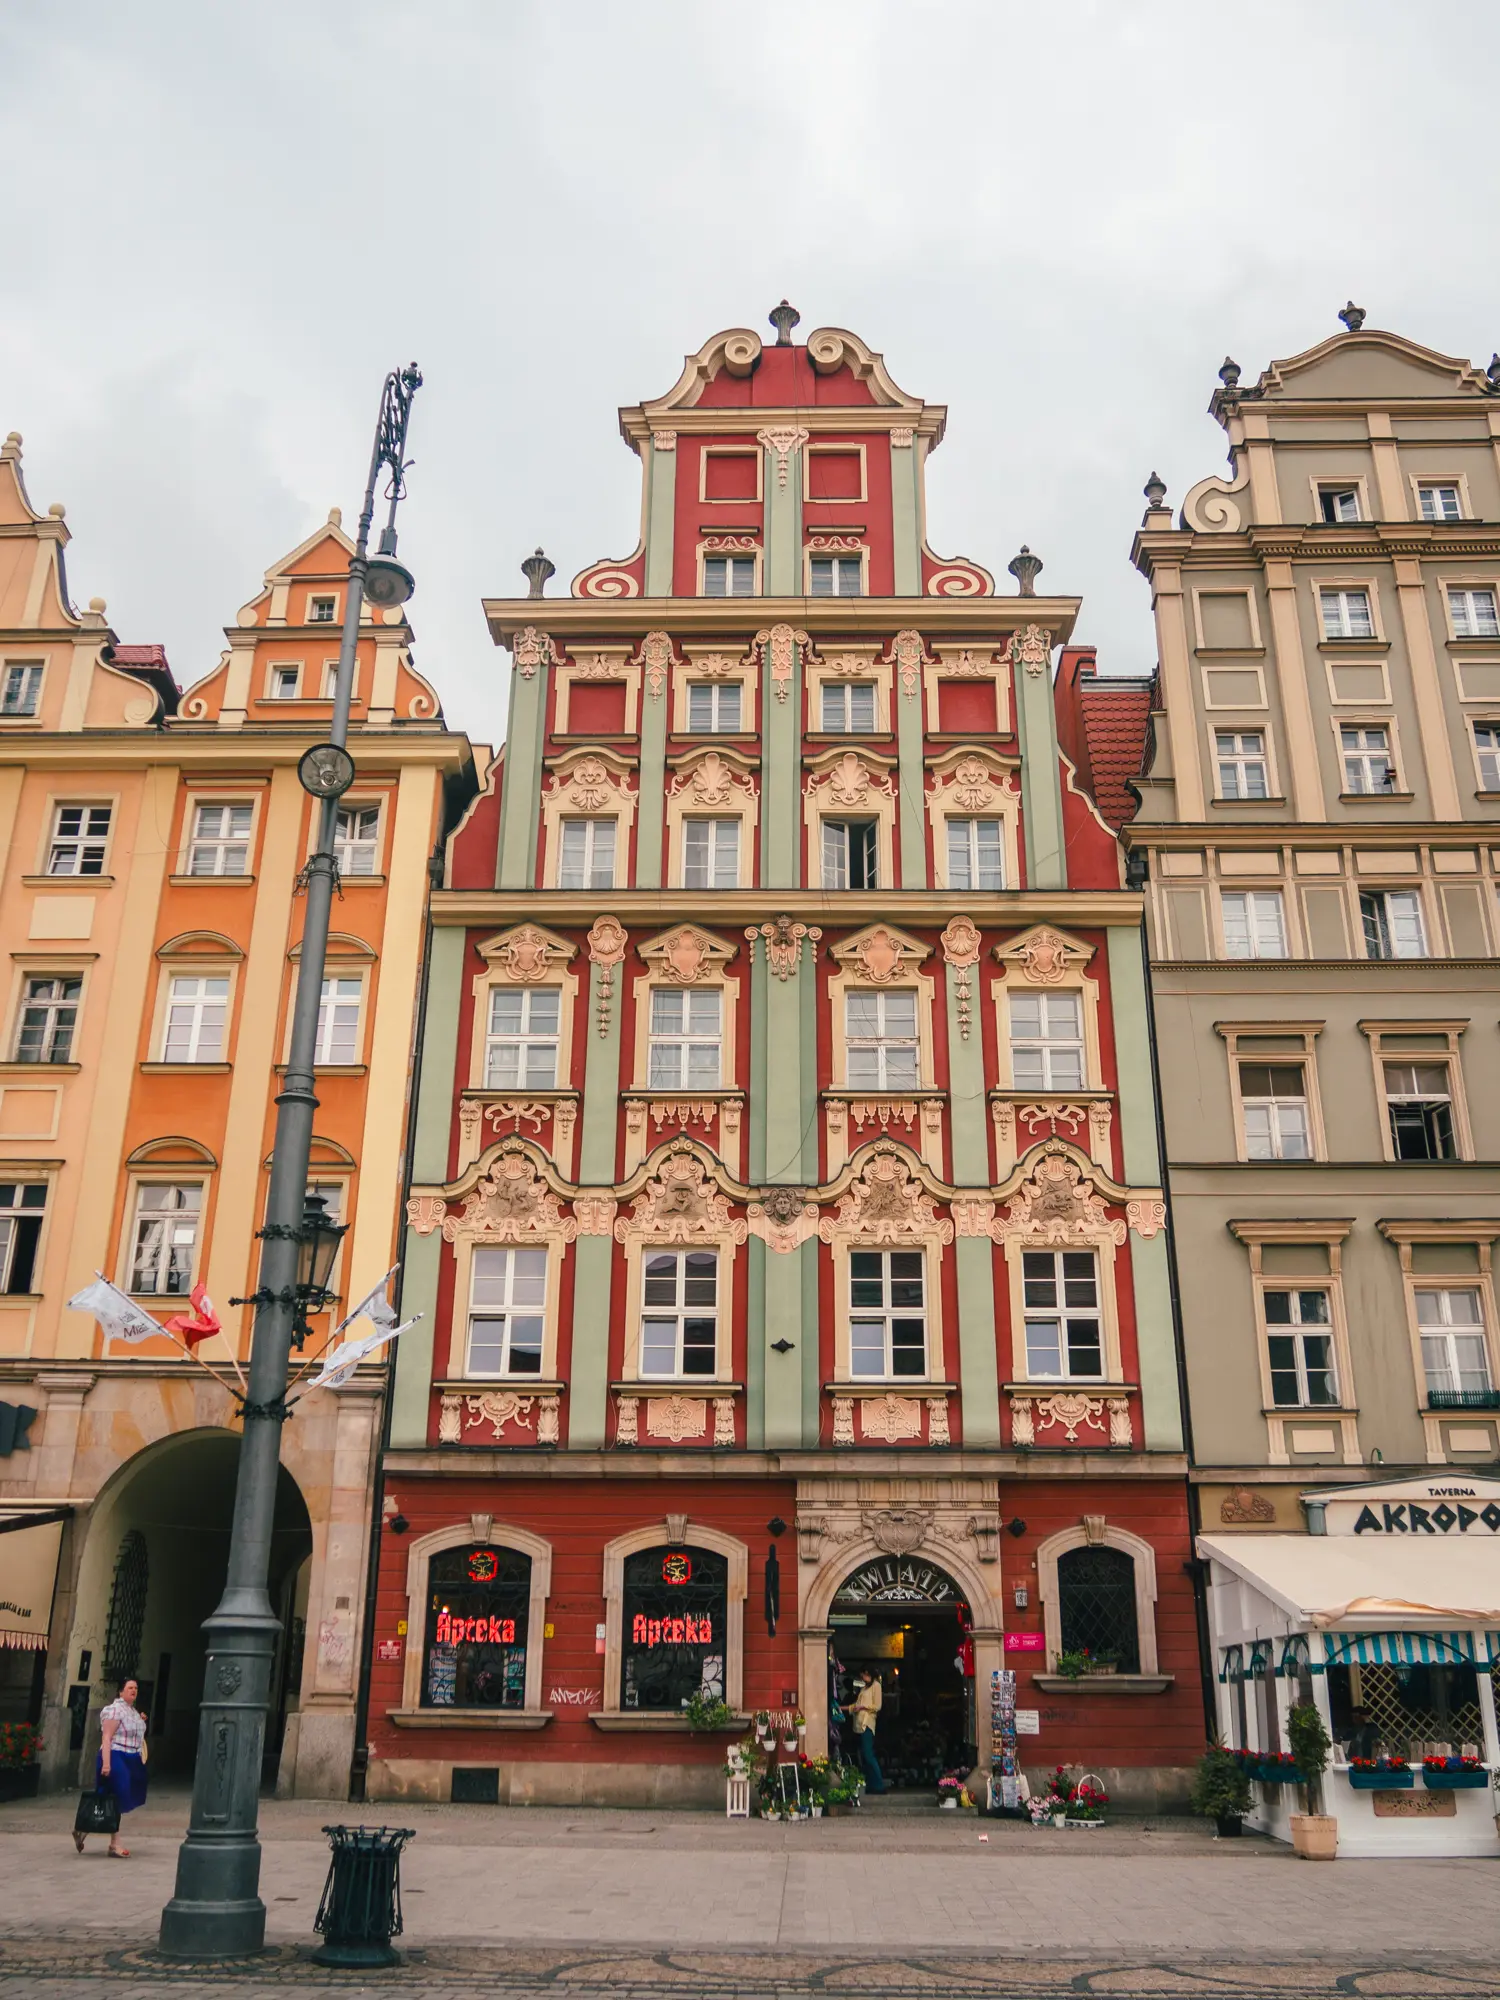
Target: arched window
[
  {"x": 674, "y": 1627},
  {"x": 1097, "y": 1605},
  {"x": 478, "y": 1615}
]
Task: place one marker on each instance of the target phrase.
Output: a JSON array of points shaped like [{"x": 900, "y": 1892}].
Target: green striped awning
[
  {"x": 1398, "y": 1649},
  {"x": 1232, "y": 1666}
]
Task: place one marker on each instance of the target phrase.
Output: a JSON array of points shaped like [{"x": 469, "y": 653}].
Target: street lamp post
[{"x": 216, "y": 1910}]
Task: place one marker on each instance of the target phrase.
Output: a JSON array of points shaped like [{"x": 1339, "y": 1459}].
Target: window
[
  {"x": 1392, "y": 920},
  {"x": 587, "y": 857},
  {"x": 23, "y": 1204},
  {"x": 1241, "y": 755},
  {"x": 356, "y": 840},
  {"x": 1419, "y": 1104},
  {"x": 1046, "y": 1041},
  {"x": 714, "y": 707},
  {"x": 1454, "y": 1357},
  {"x": 320, "y": 610},
  {"x": 729, "y": 576},
  {"x": 674, "y": 1627},
  {"x": 338, "y": 1021},
  {"x": 1299, "y": 1344},
  {"x": 1063, "y": 1333},
  {"x": 196, "y": 1011},
  {"x": 1096, "y": 1604},
  {"x": 330, "y": 680},
  {"x": 1473, "y": 614},
  {"x": 686, "y": 1037},
  {"x": 1346, "y": 614},
  {"x": 1487, "y": 746},
  {"x": 880, "y": 1034},
  {"x": 1274, "y": 1100},
  {"x": 284, "y": 683},
  {"x": 478, "y": 1608},
  {"x": 848, "y": 706},
  {"x": 21, "y": 688},
  {"x": 976, "y": 854},
  {"x": 710, "y": 853},
  {"x": 49, "y": 1014},
  {"x": 679, "y": 1313},
  {"x": 507, "y": 1295},
  {"x": 1254, "y": 923},
  {"x": 221, "y": 840},
  {"x": 835, "y": 576},
  {"x": 165, "y": 1238},
  {"x": 849, "y": 854},
  {"x": 887, "y": 1314},
  {"x": 1367, "y": 758},
  {"x": 80, "y": 836},
  {"x": 520, "y": 1051},
  {"x": 1439, "y": 503},
  {"x": 1339, "y": 503}
]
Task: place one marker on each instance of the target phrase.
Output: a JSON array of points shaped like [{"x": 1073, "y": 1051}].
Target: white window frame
[
  {"x": 883, "y": 1317},
  {"x": 16, "y": 1211},
  {"x": 1336, "y": 611},
  {"x": 672, "y": 1046},
  {"x": 1273, "y": 1105},
  {"x": 203, "y": 1014},
  {"x": 1057, "y": 1040},
  {"x": 356, "y": 851},
  {"x": 1338, "y": 490},
  {"x": 1363, "y": 761},
  {"x": 1435, "y": 486},
  {"x": 1449, "y": 1331},
  {"x": 333, "y": 1005},
  {"x": 507, "y": 1309},
  {"x": 1254, "y": 919},
  {"x": 283, "y": 681},
  {"x": 1062, "y": 1312},
  {"x": 1299, "y": 1331},
  {"x": 50, "y": 1007},
  {"x": 730, "y": 572},
  {"x": 27, "y": 677},
  {"x": 328, "y": 597},
  {"x": 836, "y": 851},
  {"x": 718, "y": 865},
  {"x": 589, "y": 865},
  {"x": 1246, "y": 754},
  {"x": 839, "y": 575},
  {"x": 889, "y": 1044},
  {"x": 331, "y": 680},
  {"x": 836, "y": 708},
  {"x": 528, "y": 1040},
  {"x": 89, "y": 841},
  {"x": 716, "y": 697},
  {"x": 1487, "y": 755},
  {"x": 969, "y": 858},
  {"x": 1388, "y": 926},
  {"x": 221, "y": 847},
  {"x": 148, "y": 1215},
  {"x": 1468, "y": 617},
  {"x": 679, "y": 1311},
  {"x": 1414, "y": 1060}
]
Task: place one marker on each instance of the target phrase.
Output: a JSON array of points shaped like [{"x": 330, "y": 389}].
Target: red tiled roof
[
  {"x": 140, "y": 656},
  {"x": 1115, "y": 716}
]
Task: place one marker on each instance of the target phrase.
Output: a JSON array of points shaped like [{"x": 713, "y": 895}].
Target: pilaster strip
[
  {"x": 521, "y": 781},
  {"x": 661, "y": 496},
  {"x": 1041, "y": 780},
  {"x": 906, "y": 516}
]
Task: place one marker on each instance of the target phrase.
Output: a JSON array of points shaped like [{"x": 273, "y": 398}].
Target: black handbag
[{"x": 98, "y": 1812}]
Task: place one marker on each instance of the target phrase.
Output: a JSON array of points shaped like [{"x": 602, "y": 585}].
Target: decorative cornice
[{"x": 974, "y": 621}]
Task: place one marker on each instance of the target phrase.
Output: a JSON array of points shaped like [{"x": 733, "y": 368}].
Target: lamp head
[
  {"x": 387, "y": 582},
  {"x": 318, "y": 1244}
]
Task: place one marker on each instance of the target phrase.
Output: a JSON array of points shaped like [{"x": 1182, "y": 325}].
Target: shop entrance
[{"x": 906, "y": 1622}]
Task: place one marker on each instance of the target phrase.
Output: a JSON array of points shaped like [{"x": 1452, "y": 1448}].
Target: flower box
[
  {"x": 1382, "y": 1781},
  {"x": 1455, "y": 1781}
]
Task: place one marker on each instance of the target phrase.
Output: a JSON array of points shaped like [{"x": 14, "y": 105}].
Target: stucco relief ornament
[
  {"x": 676, "y": 1417},
  {"x": 783, "y": 1218},
  {"x": 598, "y": 667},
  {"x": 937, "y": 1420},
  {"x": 961, "y": 946},
  {"x": 685, "y": 956},
  {"x": 1031, "y": 648},
  {"x": 450, "y": 1420},
  {"x": 1146, "y": 1216},
  {"x": 723, "y": 1420},
  {"x": 1244, "y": 1505},
  {"x": 499, "y": 1407},
  {"x": 972, "y": 1215},
  {"x": 511, "y": 1204},
  {"x": 1071, "y": 1411},
  {"x": 901, "y": 437},
  {"x": 526, "y": 954},
  {"x": 1056, "y": 1205},
  {"x": 973, "y": 784},
  {"x": 910, "y": 655},
  {"x": 781, "y": 646},
  {"x": 655, "y": 656},
  {"x": 714, "y": 666},
  {"x": 783, "y": 943},
  {"x": 531, "y": 649},
  {"x": 843, "y": 1420},
  {"x": 1045, "y": 957},
  {"x": 589, "y": 785},
  {"x": 850, "y": 780},
  {"x": 970, "y": 664},
  {"x": 681, "y": 1204},
  {"x": 885, "y": 1204},
  {"x": 712, "y": 781},
  {"x": 607, "y": 942},
  {"x": 879, "y": 957},
  {"x": 890, "y": 1418},
  {"x": 783, "y": 440},
  {"x": 897, "y": 1531},
  {"x": 664, "y": 440},
  {"x": 594, "y": 1213},
  {"x": 425, "y": 1212}
]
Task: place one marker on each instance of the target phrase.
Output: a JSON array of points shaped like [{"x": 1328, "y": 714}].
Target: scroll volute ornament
[
  {"x": 655, "y": 657},
  {"x": 531, "y": 649},
  {"x": 1031, "y": 648},
  {"x": 885, "y": 1204}
]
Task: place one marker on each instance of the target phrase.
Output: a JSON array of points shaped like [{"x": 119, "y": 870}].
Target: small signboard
[
  {"x": 1028, "y": 1722},
  {"x": 388, "y": 1649},
  {"x": 1025, "y": 1642}
]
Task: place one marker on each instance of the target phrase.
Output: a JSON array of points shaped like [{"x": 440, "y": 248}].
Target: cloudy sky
[{"x": 227, "y": 221}]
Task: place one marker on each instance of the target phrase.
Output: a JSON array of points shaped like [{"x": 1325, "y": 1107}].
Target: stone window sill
[
  {"x": 1356, "y": 645},
  {"x": 67, "y": 881},
  {"x": 185, "y": 1068},
  {"x": 40, "y": 1068},
  {"x": 1103, "y": 1683},
  {"x": 1402, "y": 798},
  {"x": 469, "y": 1718},
  {"x": 648, "y": 1722},
  {"x": 212, "y": 881}
]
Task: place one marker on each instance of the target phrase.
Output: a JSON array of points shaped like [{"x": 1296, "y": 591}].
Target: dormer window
[
  {"x": 1339, "y": 503},
  {"x": 835, "y": 576},
  {"x": 320, "y": 610},
  {"x": 729, "y": 576}
]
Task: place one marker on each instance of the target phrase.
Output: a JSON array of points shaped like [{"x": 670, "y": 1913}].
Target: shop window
[
  {"x": 1263, "y": 1675},
  {"x": 674, "y": 1627},
  {"x": 23, "y": 1204},
  {"x": 1046, "y": 1041},
  {"x": 1425, "y": 1709},
  {"x": 49, "y": 1014},
  {"x": 478, "y": 1617},
  {"x": 221, "y": 839},
  {"x": 80, "y": 837},
  {"x": 880, "y": 1038},
  {"x": 849, "y": 854},
  {"x": 164, "y": 1239},
  {"x": 507, "y": 1301},
  {"x": 1273, "y": 1098},
  {"x": 1419, "y": 1105},
  {"x": 976, "y": 854},
  {"x": 587, "y": 857},
  {"x": 1096, "y": 1595},
  {"x": 887, "y": 1314},
  {"x": 520, "y": 1051},
  {"x": 1455, "y": 1354},
  {"x": 1299, "y": 1343},
  {"x": 1064, "y": 1333},
  {"x": 713, "y": 707}
]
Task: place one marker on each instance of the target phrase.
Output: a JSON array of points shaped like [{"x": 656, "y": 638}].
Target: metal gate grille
[
  {"x": 127, "y": 1609},
  {"x": 1096, "y": 1599}
]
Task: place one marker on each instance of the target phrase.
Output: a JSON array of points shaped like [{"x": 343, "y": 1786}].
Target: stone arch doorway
[{"x": 152, "y": 1569}]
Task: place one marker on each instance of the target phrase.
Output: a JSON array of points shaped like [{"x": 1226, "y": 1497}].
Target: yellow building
[{"x": 150, "y": 844}]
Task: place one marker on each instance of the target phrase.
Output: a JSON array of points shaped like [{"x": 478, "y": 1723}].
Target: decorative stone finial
[
  {"x": 335, "y": 517},
  {"x": 1229, "y": 375},
  {"x": 784, "y": 318},
  {"x": 1155, "y": 490},
  {"x": 1491, "y": 375},
  {"x": 1353, "y": 316},
  {"x": 1025, "y": 568},
  {"x": 58, "y": 511},
  {"x": 536, "y": 569},
  {"x": 12, "y": 448},
  {"x": 98, "y": 604}
]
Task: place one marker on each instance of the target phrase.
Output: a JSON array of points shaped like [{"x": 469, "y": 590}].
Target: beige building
[
  {"x": 1318, "y": 834},
  {"x": 150, "y": 844}
]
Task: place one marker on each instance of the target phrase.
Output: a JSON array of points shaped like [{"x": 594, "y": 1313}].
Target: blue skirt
[{"x": 127, "y": 1778}]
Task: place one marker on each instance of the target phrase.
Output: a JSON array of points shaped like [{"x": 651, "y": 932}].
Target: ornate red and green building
[{"x": 785, "y": 1209}]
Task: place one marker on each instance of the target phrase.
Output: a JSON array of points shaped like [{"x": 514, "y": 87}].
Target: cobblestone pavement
[{"x": 639, "y": 1906}]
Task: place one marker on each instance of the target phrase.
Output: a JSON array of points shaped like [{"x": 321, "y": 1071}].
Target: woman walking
[{"x": 122, "y": 1761}]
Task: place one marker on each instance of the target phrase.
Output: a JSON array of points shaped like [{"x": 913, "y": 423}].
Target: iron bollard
[{"x": 360, "y": 1910}]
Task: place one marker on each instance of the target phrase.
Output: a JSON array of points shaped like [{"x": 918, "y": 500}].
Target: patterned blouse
[{"x": 130, "y": 1726}]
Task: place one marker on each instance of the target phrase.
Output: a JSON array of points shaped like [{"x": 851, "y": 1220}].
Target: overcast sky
[{"x": 225, "y": 222}]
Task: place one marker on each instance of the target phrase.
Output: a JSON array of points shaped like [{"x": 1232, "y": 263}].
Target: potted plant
[
  {"x": 949, "y": 1786},
  {"x": 1454, "y": 1774},
  {"x": 1315, "y": 1834},
  {"x": 1221, "y": 1790},
  {"x": 844, "y": 1787},
  {"x": 705, "y": 1713},
  {"x": 1059, "y": 1791},
  {"x": 1277, "y": 1767},
  {"x": 1380, "y": 1774},
  {"x": 20, "y": 1752},
  {"x": 1087, "y": 1804},
  {"x": 1039, "y": 1805},
  {"x": 788, "y": 1735},
  {"x": 763, "y": 1732}
]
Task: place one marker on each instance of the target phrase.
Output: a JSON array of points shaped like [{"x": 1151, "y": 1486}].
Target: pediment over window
[
  {"x": 341, "y": 944},
  {"x": 526, "y": 952},
  {"x": 1043, "y": 956},
  {"x": 200, "y": 944},
  {"x": 879, "y": 954},
  {"x": 687, "y": 955},
  {"x": 175, "y": 1151}
]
